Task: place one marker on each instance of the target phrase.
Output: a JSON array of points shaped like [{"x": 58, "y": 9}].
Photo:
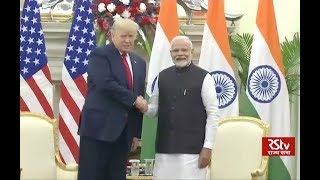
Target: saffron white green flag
[
  {"x": 167, "y": 29},
  {"x": 266, "y": 85},
  {"x": 215, "y": 57}
]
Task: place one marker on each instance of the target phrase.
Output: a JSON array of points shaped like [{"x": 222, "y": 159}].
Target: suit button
[
  {"x": 174, "y": 97},
  {"x": 172, "y": 108}
]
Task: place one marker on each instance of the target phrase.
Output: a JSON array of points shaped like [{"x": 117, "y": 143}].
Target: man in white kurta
[{"x": 187, "y": 165}]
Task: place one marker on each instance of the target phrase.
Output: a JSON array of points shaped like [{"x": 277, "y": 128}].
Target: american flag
[
  {"x": 74, "y": 80},
  {"x": 35, "y": 80}
]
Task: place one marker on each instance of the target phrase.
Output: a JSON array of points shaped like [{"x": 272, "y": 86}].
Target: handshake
[{"x": 141, "y": 104}]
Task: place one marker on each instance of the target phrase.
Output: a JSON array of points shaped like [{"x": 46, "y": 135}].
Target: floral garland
[{"x": 143, "y": 12}]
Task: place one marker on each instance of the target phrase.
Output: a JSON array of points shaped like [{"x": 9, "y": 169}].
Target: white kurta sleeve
[
  {"x": 210, "y": 102},
  {"x": 153, "y": 103}
]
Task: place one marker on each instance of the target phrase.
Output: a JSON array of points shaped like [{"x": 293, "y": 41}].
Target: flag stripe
[
  {"x": 217, "y": 25},
  {"x": 163, "y": 46},
  {"x": 168, "y": 16},
  {"x": 40, "y": 97},
  {"x": 44, "y": 83},
  {"x": 77, "y": 87},
  {"x": 68, "y": 137},
  {"x": 217, "y": 60},
  {"x": 63, "y": 161},
  {"x": 65, "y": 151},
  {"x": 77, "y": 95},
  {"x": 23, "y": 106},
  {"x": 70, "y": 104},
  {"x": 72, "y": 125},
  {"x": 46, "y": 73},
  {"x": 266, "y": 22},
  {"x": 81, "y": 85},
  {"x": 30, "y": 99}
]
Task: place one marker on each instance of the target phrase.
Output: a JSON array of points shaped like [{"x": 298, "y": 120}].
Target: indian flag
[
  {"x": 266, "y": 85},
  {"x": 215, "y": 57},
  {"x": 167, "y": 28}
]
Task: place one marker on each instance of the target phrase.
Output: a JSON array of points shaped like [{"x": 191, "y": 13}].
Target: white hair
[{"x": 180, "y": 37}]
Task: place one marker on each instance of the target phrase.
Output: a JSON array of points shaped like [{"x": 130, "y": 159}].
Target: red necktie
[{"x": 127, "y": 68}]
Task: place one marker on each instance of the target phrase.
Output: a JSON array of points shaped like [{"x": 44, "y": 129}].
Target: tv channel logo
[{"x": 278, "y": 146}]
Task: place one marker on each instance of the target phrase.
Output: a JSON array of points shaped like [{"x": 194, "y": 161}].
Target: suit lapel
[
  {"x": 116, "y": 57},
  {"x": 117, "y": 60}
]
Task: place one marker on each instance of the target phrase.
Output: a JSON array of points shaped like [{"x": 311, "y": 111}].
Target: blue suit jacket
[{"x": 108, "y": 106}]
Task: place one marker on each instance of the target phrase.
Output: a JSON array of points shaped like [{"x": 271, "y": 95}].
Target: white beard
[{"x": 181, "y": 63}]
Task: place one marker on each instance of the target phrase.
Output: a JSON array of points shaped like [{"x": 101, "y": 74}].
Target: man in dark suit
[{"x": 111, "y": 118}]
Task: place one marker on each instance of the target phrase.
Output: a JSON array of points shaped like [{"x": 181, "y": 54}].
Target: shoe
[{"x": 193, "y": 4}]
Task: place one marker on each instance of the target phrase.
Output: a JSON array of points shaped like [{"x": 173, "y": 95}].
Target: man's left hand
[
  {"x": 204, "y": 157},
  {"x": 135, "y": 144}
]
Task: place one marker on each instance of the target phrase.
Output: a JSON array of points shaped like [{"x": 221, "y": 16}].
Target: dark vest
[{"x": 181, "y": 116}]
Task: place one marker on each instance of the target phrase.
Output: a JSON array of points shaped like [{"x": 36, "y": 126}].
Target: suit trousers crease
[{"x": 101, "y": 160}]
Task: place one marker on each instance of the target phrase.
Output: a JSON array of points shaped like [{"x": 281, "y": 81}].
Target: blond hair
[{"x": 122, "y": 23}]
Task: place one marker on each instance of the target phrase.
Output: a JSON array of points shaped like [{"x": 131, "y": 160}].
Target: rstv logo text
[{"x": 278, "y": 146}]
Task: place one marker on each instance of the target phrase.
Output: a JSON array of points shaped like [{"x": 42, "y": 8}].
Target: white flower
[
  {"x": 101, "y": 7},
  {"x": 152, "y": 1},
  {"x": 111, "y": 7},
  {"x": 143, "y": 7},
  {"x": 116, "y": 16},
  {"x": 125, "y": 2},
  {"x": 126, "y": 14}
]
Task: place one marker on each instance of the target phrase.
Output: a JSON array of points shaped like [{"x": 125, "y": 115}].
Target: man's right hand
[
  {"x": 204, "y": 157},
  {"x": 141, "y": 104}
]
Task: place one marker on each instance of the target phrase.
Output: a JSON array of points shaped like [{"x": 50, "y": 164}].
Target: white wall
[{"x": 287, "y": 16}]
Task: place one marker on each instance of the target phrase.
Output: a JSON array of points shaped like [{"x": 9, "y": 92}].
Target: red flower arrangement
[{"x": 144, "y": 12}]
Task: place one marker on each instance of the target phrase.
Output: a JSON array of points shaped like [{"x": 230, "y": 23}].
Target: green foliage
[
  {"x": 100, "y": 37},
  {"x": 241, "y": 50},
  {"x": 144, "y": 41},
  {"x": 291, "y": 61}
]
